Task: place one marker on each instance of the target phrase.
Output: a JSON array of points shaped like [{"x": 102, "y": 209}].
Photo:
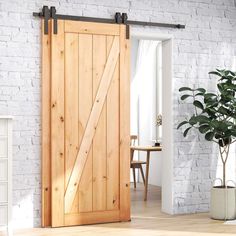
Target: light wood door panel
[
  {"x": 72, "y": 107},
  {"x": 99, "y": 139},
  {"x": 112, "y": 137},
  {"x": 92, "y": 125},
  {"x": 124, "y": 125},
  {"x": 46, "y": 126},
  {"x": 85, "y": 106},
  {"x": 57, "y": 125},
  {"x": 89, "y": 124}
]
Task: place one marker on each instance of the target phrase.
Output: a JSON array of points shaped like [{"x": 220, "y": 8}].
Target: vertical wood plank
[
  {"x": 71, "y": 106},
  {"x": 124, "y": 125},
  {"x": 57, "y": 125},
  {"x": 85, "y": 106},
  {"x": 112, "y": 135},
  {"x": 92, "y": 123},
  {"x": 99, "y": 140},
  {"x": 46, "y": 127}
]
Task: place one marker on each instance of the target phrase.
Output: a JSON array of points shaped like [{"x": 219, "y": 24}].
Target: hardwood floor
[{"x": 147, "y": 220}]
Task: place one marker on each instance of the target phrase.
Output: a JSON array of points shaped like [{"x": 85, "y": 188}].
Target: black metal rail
[{"x": 119, "y": 18}]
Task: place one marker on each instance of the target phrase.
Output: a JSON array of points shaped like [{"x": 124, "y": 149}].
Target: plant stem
[
  {"x": 224, "y": 164},
  {"x": 194, "y": 106},
  {"x": 224, "y": 153}
]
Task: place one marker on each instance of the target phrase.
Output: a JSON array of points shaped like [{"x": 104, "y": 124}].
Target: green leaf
[
  {"x": 227, "y": 133},
  {"x": 224, "y": 111},
  {"x": 211, "y": 101},
  {"x": 199, "y": 94},
  {"x": 198, "y": 104},
  {"x": 233, "y": 132},
  {"x": 215, "y": 73},
  {"x": 218, "y": 136},
  {"x": 230, "y": 86},
  {"x": 220, "y": 87},
  {"x": 185, "y": 96},
  {"x": 214, "y": 124},
  {"x": 209, "y": 95},
  {"x": 204, "y": 128},
  {"x": 202, "y": 119},
  {"x": 202, "y": 90},
  {"x": 222, "y": 126},
  {"x": 182, "y": 123},
  {"x": 209, "y": 136},
  {"x": 185, "y": 89},
  {"x": 211, "y": 112},
  {"x": 193, "y": 120},
  {"x": 186, "y": 131},
  {"x": 224, "y": 141}
]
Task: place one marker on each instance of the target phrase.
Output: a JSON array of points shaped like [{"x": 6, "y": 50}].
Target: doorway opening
[{"x": 151, "y": 119}]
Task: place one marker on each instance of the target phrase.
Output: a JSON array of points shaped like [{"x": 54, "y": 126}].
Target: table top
[{"x": 146, "y": 148}]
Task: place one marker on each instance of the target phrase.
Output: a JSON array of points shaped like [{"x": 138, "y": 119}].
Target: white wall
[{"x": 209, "y": 41}]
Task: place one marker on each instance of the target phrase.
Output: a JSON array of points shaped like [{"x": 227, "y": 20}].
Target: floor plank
[{"x": 147, "y": 219}]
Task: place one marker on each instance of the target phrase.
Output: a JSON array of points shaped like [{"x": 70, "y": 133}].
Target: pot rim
[{"x": 223, "y": 187}]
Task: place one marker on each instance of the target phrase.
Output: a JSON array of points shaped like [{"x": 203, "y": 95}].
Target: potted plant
[{"x": 215, "y": 117}]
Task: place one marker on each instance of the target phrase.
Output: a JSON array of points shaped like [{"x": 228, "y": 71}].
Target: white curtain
[{"x": 144, "y": 92}]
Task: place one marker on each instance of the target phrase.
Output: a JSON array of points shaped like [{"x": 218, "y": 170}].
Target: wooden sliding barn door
[{"x": 85, "y": 124}]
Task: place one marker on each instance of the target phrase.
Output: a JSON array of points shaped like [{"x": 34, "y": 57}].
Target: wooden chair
[{"x": 136, "y": 164}]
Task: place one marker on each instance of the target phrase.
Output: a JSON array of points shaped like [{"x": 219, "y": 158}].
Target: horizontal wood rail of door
[
  {"x": 92, "y": 217},
  {"x": 87, "y": 28},
  {"x": 91, "y": 126}
]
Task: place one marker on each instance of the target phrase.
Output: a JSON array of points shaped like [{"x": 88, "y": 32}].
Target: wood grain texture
[
  {"x": 91, "y": 125},
  {"x": 99, "y": 139},
  {"x": 124, "y": 125},
  {"x": 88, "y": 112},
  {"x": 92, "y": 217},
  {"x": 112, "y": 136},
  {"x": 85, "y": 106},
  {"x": 57, "y": 125},
  {"x": 91, "y": 28},
  {"x": 46, "y": 126},
  {"x": 71, "y": 106}
]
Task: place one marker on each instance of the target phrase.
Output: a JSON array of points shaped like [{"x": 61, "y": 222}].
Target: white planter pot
[{"x": 223, "y": 203}]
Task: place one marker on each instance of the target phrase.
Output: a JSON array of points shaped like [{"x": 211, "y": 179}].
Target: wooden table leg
[
  {"x": 131, "y": 159},
  {"x": 146, "y": 179},
  {"x": 131, "y": 155}
]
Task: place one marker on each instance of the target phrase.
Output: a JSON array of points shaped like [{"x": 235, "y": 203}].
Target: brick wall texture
[{"x": 208, "y": 42}]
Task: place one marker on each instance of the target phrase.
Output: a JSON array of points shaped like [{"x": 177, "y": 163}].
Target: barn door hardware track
[{"x": 120, "y": 18}]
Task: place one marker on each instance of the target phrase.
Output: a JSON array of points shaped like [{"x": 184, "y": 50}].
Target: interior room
[
  {"x": 146, "y": 112},
  {"x": 117, "y": 117}
]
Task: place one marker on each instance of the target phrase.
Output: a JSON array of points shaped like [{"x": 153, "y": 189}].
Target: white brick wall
[{"x": 209, "y": 41}]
